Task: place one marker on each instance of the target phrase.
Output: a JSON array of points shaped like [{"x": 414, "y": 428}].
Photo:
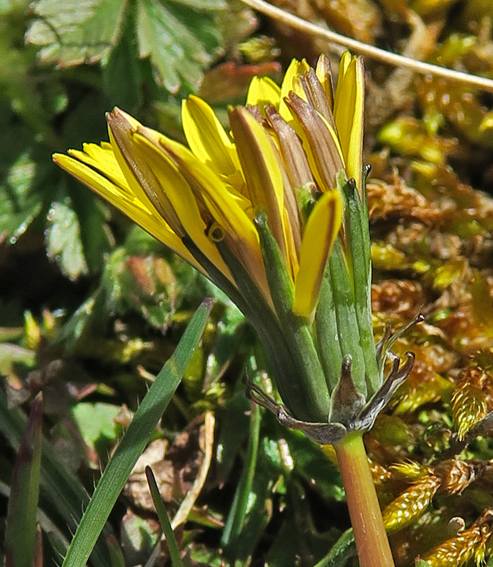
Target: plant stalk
[{"x": 364, "y": 509}]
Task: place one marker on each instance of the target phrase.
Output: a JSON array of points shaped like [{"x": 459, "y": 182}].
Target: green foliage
[
  {"x": 132, "y": 444},
  {"x": 20, "y": 536},
  {"x": 96, "y": 424},
  {"x": 64, "y": 243},
  {"x": 164, "y": 519},
  {"x": 180, "y": 38},
  {"x": 81, "y": 32},
  {"x": 91, "y": 308}
]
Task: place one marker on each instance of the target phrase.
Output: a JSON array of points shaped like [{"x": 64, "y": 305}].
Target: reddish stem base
[{"x": 364, "y": 509}]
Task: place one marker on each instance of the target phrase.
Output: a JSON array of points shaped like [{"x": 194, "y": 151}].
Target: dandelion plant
[{"x": 274, "y": 212}]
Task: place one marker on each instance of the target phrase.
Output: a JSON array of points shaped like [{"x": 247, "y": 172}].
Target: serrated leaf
[
  {"x": 179, "y": 41},
  {"x": 63, "y": 240},
  {"x": 77, "y": 32},
  {"x": 18, "y": 205}
]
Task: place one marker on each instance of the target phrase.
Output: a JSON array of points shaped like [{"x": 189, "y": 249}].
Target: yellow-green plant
[{"x": 275, "y": 214}]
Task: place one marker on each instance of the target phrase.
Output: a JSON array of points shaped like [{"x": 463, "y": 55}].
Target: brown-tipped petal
[
  {"x": 292, "y": 152},
  {"x": 137, "y": 172},
  {"x": 324, "y": 74},
  {"x": 290, "y": 216},
  {"x": 255, "y": 112},
  {"x": 323, "y": 145},
  {"x": 315, "y": 94}
]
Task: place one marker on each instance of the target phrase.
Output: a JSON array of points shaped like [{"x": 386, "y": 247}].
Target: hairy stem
[{"x": 369, "y": 532}]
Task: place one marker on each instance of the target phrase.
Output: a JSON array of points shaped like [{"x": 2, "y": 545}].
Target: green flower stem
[{"x": 366, "y": 517}]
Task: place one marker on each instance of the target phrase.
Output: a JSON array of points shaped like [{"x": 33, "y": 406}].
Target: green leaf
[
  {"x": 24, "y": 491},
  {"x": 251, "y": 510},
  {"x": 77, "y": 31},
  {"x": 122, "y": 75},
  {"x": 95, "y": 236},
  {"x": 61, "y": 494},
  {"x": 96, "y": 423},
  {"x": 181, "y": 38},
  {"x": 77, "y": 236},
  {"x": 180, "y": 42},
  {"x": 63, "y": 240},
  {"x": 132, "y": 444},
  {"x": 22, "y": 175}
]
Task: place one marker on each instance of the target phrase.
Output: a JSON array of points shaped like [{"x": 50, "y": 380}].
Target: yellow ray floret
[
  {"x": 290, "y": 83},
  {"x": 262, "y": 170},
  {"x": 263, "y": 91},
  {"x": 207, "y": 138},
  {"x": 181, "y": 198},
  {"x": 124, "y": 200},
  {"x": 349, "y": 114}
]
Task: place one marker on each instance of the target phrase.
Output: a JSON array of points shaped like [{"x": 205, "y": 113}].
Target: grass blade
[
  {"x": 234, "y": 525},
  {"x": 61, "y": 495},
  {"x": 134, "y": 441},
  {"x": 343, "y": 550},
  {"x": 20, "y": 537},
  {"x": 174, "y": 551}
]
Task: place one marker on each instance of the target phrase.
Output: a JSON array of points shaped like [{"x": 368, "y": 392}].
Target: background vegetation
[{"x": 91, "y": 307}]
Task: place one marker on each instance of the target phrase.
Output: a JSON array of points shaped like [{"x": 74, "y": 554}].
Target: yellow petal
[
  {"x": 222, "y": 203},
  {"x": 290, "y": 83},
  {"x": 263, "y": 91},
  {"x": 349, "y": 114},
  {"x": 180, "y": 196},
  {"x": 103, "y": 159},
  {"x": 262, "y": 170},
  {"x": 207, "y": 138},
  {"x": 226, "y": 207},
  {"x": 123, "y": 199},
  {"x": 321, "y": 231}
]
